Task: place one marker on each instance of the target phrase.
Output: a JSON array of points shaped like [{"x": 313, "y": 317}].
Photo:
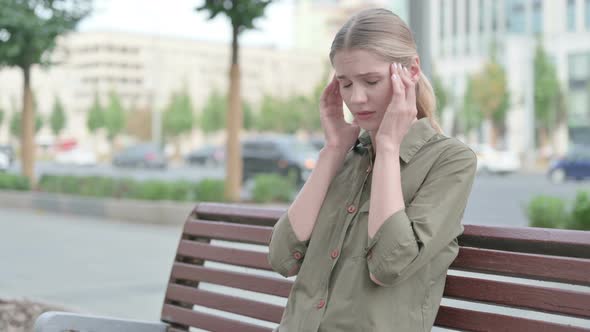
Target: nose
[{"x": 358, "y": 95}]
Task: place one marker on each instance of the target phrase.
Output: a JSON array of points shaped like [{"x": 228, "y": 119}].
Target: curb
[{"x": 128, "y": 210}]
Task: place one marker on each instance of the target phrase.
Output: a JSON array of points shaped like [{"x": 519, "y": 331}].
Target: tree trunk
[
  {"x": 233, "y": 176},
  {"x": 28, "y": 129}
]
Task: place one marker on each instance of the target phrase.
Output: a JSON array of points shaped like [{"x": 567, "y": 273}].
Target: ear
[{"x": 415, "y": 69}]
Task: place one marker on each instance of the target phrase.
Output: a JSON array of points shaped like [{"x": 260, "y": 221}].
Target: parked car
[
  {"x": 144, "y": 155},
  {"x": 575, "y": 165},
  {"x": 4, "y": 161},
  {"x": 80, "y": 156},
  {"x": 8, "y": 152},
  {"x": 208, "y": 155},
  {"x": 496, "y": 161},
  {"x": 279, "y": 154}
]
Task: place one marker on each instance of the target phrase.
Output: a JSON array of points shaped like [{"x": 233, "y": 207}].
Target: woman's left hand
[{"x": 401, "y": 112}]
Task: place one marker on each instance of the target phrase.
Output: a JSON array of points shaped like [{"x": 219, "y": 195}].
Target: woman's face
[{"x": 365, "y": 85}]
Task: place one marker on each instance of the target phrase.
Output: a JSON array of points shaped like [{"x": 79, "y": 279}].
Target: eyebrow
[{"x": 359, "y": 75}]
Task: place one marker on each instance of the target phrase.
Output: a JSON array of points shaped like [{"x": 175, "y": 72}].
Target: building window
[
  {"x": 578, "y": 80},
  {"x": 494, "y": 10},
  {"x": 441, "y": 19},
  {"x": 481, "y": 11},
  {"x": 515, "y": 16},
  {"x": 571, "y": 15},
  {"x": 537, "y": 19},
  {"x": 455, "y": 20},
  {"x": 467, "y": 17}
]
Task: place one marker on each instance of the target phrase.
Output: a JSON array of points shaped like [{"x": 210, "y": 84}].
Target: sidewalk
[{"x": 87, "y": 264}]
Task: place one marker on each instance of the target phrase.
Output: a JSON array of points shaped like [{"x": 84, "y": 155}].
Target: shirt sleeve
[
  {"x": 411, "y": 237},
  {"x": 285, "y": 251}
]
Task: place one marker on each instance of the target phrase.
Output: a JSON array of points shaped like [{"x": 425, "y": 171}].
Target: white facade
[
  {"x": 146, "y": 70},
  {"x": 463, "y": 31}
]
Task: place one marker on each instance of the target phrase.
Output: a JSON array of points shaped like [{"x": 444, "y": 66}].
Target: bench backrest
[{"x": 221, "y": 280}]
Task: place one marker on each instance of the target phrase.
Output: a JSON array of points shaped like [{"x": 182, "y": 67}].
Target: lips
[{"x": 364, "y": 115}]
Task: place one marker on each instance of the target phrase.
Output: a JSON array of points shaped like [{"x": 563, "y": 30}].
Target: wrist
[
  {"x": 387, "y": 147},
  {"x": 332, "y": 153}
]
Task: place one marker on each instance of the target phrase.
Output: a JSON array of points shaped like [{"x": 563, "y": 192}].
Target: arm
[
  {"x": 293, "y": 230},
  {"x": 406, "y": 239}
]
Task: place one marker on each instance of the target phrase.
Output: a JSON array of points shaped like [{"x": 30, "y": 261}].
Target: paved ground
[{"x": 88, "y": 264}]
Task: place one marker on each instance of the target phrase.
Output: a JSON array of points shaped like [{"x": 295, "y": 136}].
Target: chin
[{"x": 368, "y": 126}]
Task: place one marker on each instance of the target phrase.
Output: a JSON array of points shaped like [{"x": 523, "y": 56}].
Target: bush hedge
[{"x": 552, "y": 212}]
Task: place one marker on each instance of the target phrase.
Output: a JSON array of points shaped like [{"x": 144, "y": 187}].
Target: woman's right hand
[{"x": 338, "y": 133}]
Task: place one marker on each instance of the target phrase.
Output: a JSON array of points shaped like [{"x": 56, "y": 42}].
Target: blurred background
[{"x": 110, "y": 108}]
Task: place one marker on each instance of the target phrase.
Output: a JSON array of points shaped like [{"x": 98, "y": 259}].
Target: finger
[
  {"x": 398, "y": 94},
  {"x": 409, "y": 86}
]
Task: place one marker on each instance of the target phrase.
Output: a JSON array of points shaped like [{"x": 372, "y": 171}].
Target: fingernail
[{"x": 406, "y": 69}]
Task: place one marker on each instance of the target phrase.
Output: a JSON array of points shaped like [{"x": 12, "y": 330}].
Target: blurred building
[
  {"x": 146, "y": 70},
  {"x": 317, "y": 21},
  {"x": 463, "y": 32}
]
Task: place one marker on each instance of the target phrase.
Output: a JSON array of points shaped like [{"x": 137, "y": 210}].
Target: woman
[{"x": 373, "y": 231}]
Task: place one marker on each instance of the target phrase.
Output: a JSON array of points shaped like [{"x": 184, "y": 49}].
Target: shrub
[
  {"x": 580, "y": 217},
  {"x": 210, "y": 190},
  {"x": 14, "y": 182},
  {"x": 151, "y": 190},
  {"x": 548, "y": 212},
  {"x": 272, "y": 188}
]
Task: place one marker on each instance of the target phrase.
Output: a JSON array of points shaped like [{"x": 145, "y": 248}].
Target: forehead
[{"x": 355, "y": 61}]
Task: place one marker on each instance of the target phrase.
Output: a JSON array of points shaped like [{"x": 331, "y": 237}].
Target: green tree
[
  {"x": 178, "y": 116},
  {"x": 241, "y": 14},
  {"x": 114, "y": 116},
  {"x": 96, "y": 116},
  {"x": 1, "y": 116},
  {"x": 249, "y": 116},
  {"x": 57, "y": 118},
  {"x": 547, "y": 95},
  {"x": 28, "y": 32},
  {"x": 491, "y": 96},
  {"x": 16, "y": 124},
  {"x": 213, "y": 115},
  {"x": 470, "y": 117},
  {"x": 441, "y": 94}
]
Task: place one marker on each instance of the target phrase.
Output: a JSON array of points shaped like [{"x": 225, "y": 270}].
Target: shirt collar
[{"x": 419, "y": 133}]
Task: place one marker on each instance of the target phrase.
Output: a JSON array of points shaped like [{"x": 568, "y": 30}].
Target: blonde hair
[{"x": 385, "y": 34}]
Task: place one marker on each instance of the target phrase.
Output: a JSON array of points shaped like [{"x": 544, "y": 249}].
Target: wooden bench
[{"x": 504, "y": 279}]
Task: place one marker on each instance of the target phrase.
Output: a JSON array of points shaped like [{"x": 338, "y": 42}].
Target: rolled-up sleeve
[
  {"x": 411, "y": 237},
  {"x": 285, "y": 252}
]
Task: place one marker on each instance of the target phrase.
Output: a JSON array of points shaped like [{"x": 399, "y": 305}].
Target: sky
[{"x": 178, "y": 18}]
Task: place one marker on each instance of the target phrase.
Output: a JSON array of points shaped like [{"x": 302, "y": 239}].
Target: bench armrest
[{"x": 53, "y": 321}]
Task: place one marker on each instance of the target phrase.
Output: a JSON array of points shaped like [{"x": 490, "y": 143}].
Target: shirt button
[
  {"x": 321, "y": 304},
  {"x": 369, "y": 169},
  {"x": 351, "y": 209},
  {"x": 297, "y": 255},
  {"x": 334, "y": 253}
]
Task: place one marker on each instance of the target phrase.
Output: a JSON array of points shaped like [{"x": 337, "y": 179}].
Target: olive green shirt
[{"x": 409, "y": 254}]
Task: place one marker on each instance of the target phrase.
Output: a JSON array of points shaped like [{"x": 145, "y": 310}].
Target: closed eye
[{"x": 373, "y": 83}]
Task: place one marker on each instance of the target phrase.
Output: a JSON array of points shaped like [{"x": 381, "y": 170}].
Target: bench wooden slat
[
  {"x": 478, "y": 321},
  {"x": 240, "y": 257},
  {"x": 236, "y": 213},
  {"x": 174, "y": 314},
  {"x": 228, "y": 231},
  {"x": 559, "y": 242},
  {"x": 237, "y": 305},
  {"x": 260, "y": 284},
  {"x": 549, "y": 268},
  {"x": 517, "y": 295}
]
